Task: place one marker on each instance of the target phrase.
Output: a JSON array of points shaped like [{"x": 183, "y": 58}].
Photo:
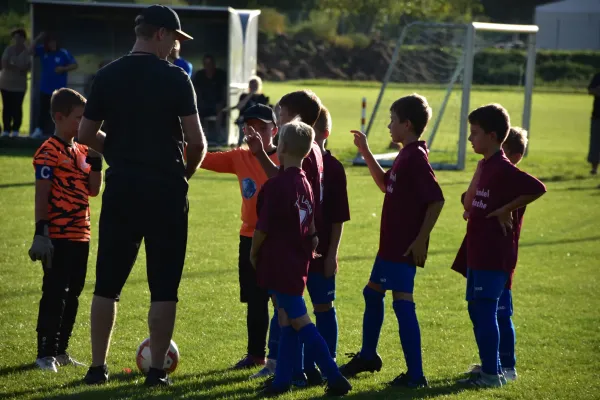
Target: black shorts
[
  {"x": 134, "y": 209},
  {"x": 249, "y": 289}
]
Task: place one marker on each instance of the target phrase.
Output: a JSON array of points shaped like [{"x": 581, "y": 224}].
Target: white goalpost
[{"x": 437, "y": 60}]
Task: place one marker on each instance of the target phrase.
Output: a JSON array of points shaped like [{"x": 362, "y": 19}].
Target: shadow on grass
[
  {"x": 16, "y": 369},
  {"x": 440, "y": 387},
  {"x": 17, "y": 184}
]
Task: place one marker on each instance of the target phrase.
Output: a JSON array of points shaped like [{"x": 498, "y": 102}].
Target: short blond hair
[
  {"x": 258, "y": 81},
  {"x": 297, "y": 137},
  {"x": 323, "y": 123},
  {"x": 516, "y": 141}
]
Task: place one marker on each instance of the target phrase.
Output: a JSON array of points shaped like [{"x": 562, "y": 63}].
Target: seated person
[{"x": 210, "y": 84}]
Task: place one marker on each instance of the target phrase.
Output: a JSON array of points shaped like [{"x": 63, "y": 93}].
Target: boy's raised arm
[
  {"x": 378, "y": 174},
  {"x": 257, "y": 149}
]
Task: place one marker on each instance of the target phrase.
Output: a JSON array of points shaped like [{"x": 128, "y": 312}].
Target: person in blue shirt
[
  {"x": 177, "y": 60},
  {"x": 55, "y": 64}
]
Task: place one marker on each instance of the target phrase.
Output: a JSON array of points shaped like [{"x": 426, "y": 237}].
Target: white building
[{"x": 569, "y": 25}]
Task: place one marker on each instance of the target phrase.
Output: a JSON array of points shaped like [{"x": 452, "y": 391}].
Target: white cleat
[
  {"x": 267, "y": 371},
  {"x": 5, "y": 134},
  {"x": 47, "y": 364},
  {"x": 65, "y": 359},
  {"x": 14, "y": 134},
  {"x": 510, "y": 374},
  {"x": 37, "y": 134}
]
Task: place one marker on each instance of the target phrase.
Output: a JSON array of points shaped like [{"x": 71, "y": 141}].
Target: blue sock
[
  {"x": 487, "y": 331},
  {"x": 327, "y": 324},
  {"x": 410, "y": 337},
  {"x": 508, "y": 358},
  {"x": 298, "y": 366},
  {"x": 315, "y": 343},
  {"x": 288, "y": 344},
  {"x": 372, "y": 322},
  {"x": 274, "y": 332},
  {"x": 473, "y": 317}
]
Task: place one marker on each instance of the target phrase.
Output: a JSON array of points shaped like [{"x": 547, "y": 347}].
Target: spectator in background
[
  {"x": 55, "y": 64},
  {"x": 211, "y": 88},
  {"x": 252, "y": 97},
  {"x": 13, "y": 82},
  {"x": 177, "y": 60},
  {"x": 594, "y": 151}
]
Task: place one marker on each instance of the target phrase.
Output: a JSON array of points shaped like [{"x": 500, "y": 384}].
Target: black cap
[
  {"x": 164, "y": 17},
  {"x": 262, "y": 112}
]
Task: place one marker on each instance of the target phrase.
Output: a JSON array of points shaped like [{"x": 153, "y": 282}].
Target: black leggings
[
  {"x": 44, "y": 119},
  {"x": 61, "y": 288},
  {"x": 12, "y": 110}
]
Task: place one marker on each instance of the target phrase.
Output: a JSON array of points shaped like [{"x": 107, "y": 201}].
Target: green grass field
[{"x": 556, "y": 293}]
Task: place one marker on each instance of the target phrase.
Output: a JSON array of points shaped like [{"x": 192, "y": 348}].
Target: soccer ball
[{"x": 143, "y": 358}]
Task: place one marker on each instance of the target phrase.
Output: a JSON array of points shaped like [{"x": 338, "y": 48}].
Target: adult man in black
[
  {"x": 150, "y": 107},
  {"x": 594, "y": 150}
]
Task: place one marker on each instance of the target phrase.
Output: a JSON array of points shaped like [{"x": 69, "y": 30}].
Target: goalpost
[{"x": 437, "y": 60}]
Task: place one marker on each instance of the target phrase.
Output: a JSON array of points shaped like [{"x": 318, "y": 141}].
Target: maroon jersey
[
  {"x": 334, "y": 209},
  {"x": 410, "y": 187},
  {"x": 460, "y": 262},
  {"x": 285, "y": 209},
  {"x": 500, "y": 183}
]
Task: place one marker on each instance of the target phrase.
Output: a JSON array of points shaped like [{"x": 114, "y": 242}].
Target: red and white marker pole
[{"x": 363, "y": 115}]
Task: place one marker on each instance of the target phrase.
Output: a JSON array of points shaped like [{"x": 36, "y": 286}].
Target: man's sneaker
[
  {"x": 300, "y": 380},
  {"x": 510, "y": 374},
  {"x": 338, "y": 387},
  {"x": 96, "y": 375},
  {"x": 483, "y": 380},
  {"x": 357, "y": 365},
  {"x": 14, "y": 134},
  {"x": 270, "y": 390},
  {"x": 249, "y": 362},
  {"x": 37, "y": 134},
  {"x": 5, "y": 134},
  {"x": 267, "y": 371},
  {"x": 313, "y": 377},
  {"x": 157, "y": 377},
  {"x": 47, "y": 364},
  {"x": 403, "y": 380},
  {"x": 65, "y": 359}
]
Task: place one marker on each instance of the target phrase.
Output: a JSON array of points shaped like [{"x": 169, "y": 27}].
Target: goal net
[{"x": 442, "y": 62}]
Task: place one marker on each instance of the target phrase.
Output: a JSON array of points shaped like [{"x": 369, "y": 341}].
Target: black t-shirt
[
  {"x": 210, "y": 91},
  {"x": 594, "y": 84},
  {"x": 140, "y": 99}
]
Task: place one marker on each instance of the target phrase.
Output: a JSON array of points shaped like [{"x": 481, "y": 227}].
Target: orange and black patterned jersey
[{"x": 68, "y": 207}]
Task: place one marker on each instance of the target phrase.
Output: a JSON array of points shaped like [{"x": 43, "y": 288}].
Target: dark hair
[
  {"x": 65, "y": 100},
  {"x": 516, "y": 141},
  {"x": 18, "y": 31},
  {"x": 492, "y": 118},
  {"x": 144, "y": 30},
  {"x": 209, "y": 56},
  {"x": 415, "y": 109},
  {"x": 303, "y": 103},
  {"x": 323, "y": 123}
]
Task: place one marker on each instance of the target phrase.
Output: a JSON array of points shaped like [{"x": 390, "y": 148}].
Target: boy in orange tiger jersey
[{"x": 66, "y": 173}]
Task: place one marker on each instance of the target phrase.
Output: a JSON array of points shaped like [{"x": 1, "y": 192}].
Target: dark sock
[
  {"x": 314, "y": 342},
  {"x": 508, "y": 358},
  {"x": 372, "y": 322},
  {"x": 410, "y": 337},
  {"x": 274, "y": 336},
  {"x": 488, "y": 334},
  {"x": 288, "y": 345},
  {"x": 258, "y": 324},
  {"x": 327, "y": 325}
]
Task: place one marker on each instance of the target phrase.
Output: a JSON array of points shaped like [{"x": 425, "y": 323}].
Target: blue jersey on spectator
[
  {"x": 49, "y": 79},
  {"x": 183, "y": 64}
]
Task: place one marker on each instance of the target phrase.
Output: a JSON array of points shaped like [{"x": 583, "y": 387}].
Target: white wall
[{"x": 568, "y": 31}]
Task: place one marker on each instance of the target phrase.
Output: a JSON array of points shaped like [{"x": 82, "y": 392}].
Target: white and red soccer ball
[{"x": 143, "y": 358}]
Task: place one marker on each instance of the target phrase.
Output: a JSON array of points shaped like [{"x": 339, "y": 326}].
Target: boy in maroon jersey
[
  {"x": 514, "y": 147},
  {"x": 498, "y": 190},
  {"x": 305, "y": 105},
  {"x": 413, "y": 201},
  {"x": 323, "y": 270},
  {"x": 282, "y": 247}
]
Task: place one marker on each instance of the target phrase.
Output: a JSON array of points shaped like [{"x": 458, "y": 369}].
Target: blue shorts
[
  {"x": 483, "y": 284},
  {"x": 294, "y": 306},
  {"x": 505, "y": 305},
  {"x": 320, "y": 289},
  {"x": 398, "y": 277}
]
